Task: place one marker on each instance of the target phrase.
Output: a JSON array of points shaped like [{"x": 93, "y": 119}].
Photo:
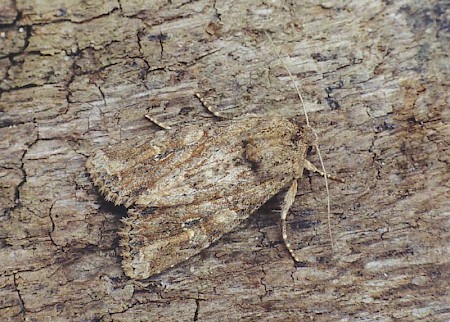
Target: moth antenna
[
  {"x": 316, "y": 146},
  {"x": 158, "y": 123}
]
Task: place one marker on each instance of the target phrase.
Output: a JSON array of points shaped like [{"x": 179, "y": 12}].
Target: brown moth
[{"x": 185, "y": 188}]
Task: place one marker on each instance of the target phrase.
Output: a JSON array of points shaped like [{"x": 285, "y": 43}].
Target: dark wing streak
[
  {"x": 149, "y": 175},
  {"x": 188, "y": 177},
  {"x": 145, "y": 175}
]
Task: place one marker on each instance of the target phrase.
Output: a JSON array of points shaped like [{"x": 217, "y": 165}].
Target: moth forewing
[{"x": 187, "y": 187}]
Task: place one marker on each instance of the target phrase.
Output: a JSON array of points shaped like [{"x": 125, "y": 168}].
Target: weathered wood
[{"x": 76, "y": 77}]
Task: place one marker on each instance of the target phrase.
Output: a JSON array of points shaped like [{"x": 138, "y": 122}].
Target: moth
[{"x": 185, "y": 188}]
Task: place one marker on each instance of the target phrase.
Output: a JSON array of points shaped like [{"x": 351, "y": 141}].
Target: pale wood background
[{"x": 77, "y": 76}]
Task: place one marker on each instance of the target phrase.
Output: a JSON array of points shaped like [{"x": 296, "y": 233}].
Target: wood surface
[{"x": 77, "y": 76}]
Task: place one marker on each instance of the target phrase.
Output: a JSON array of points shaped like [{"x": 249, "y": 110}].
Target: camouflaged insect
[{"x": 185, "y": 188}]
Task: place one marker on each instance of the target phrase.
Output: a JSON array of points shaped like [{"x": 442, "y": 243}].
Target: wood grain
[{"x": 79, "y": 76}]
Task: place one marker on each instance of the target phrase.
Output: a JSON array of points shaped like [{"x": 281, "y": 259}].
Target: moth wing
[
  {"x": 152, "y": 243},
  {"x": 195, "y": 164},
  {"x": 123, "y": 171}
]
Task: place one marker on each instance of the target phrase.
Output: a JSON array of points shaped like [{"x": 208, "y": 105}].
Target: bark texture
[{"x": 77, "y": 76}]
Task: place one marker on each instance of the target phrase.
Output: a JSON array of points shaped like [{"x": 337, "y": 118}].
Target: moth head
[
  {"x": 304, "y": 139},
  {"x": 309, "y": 136},
  {"x": 305, "y": 136}
]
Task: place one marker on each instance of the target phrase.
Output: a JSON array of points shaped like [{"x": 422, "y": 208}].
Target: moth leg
[
  {"x": 308, "y": 165},
  {"x": 158, "y": 123},
  {"x": 210, "y": 108},
  {"x": 311, "y": 167},
  {"x": 289, "y": 198}
]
